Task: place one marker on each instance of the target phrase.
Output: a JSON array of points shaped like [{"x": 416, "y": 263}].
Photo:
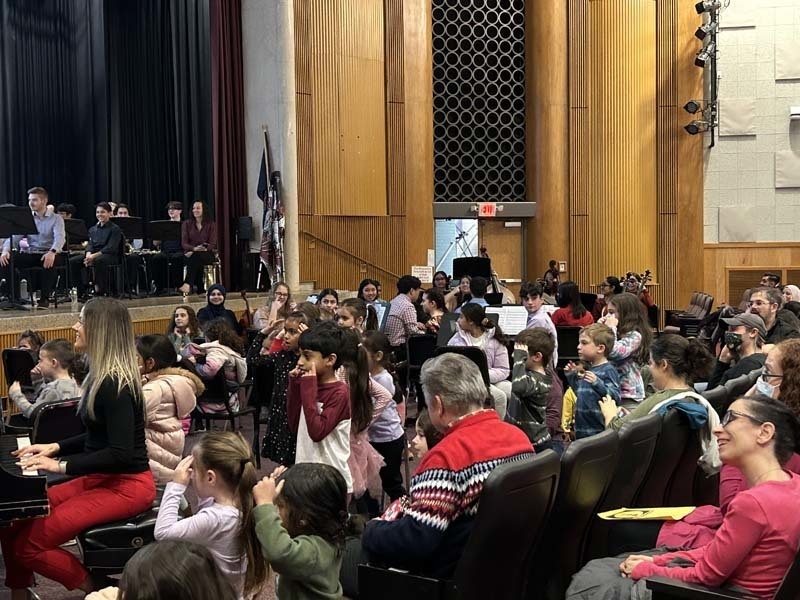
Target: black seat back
[
  {"x": 447, "y": 328},
  {"x": 680, "y": 489},
  {"x": 738, "y": 386},
  {"x": 420, "y": 348},
  {"x": 717, "y": 397},
  {"x": 586, "y": 470},
  {"x": 637, "y": 443},
  {"x": 790, "y": 586},
  {"x": 56, "y": 421},
  {"x": 669, "y": 449},
  {"x": 476, "y": 355},
  {"x": 515, "y": 504}
]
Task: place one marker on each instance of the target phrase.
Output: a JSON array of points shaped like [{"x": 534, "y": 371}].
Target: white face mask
[{"x": 762, "y": 387}]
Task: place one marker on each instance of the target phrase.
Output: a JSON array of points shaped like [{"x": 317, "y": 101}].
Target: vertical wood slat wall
[
  {"x": 354, "y": 177},
  {"x": 612, "y": 137},
  {"x": 9, "y": 339}
]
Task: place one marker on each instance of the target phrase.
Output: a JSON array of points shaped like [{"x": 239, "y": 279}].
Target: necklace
[
  {"x": 766, "y": 473},
  {"x": 462, "y": 417}
]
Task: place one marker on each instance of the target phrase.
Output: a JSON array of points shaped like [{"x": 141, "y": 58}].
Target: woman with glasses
[
  {"x": 279, "y": 307},
  {"x": 441, "y": 281},
  {"x": 609, "y": 287},
  {"x": 781, "y": 376},
  {"x": 758, "y": 538}
]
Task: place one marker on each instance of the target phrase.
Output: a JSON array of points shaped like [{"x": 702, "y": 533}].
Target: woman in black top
[
  {"x": 113, "y": 479},
  {"x": 215, "y": 309}
]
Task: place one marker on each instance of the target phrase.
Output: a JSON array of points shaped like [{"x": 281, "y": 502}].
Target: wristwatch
[
  {"x": 53, "y": 250},
  {"x": 62, "y": 467}
]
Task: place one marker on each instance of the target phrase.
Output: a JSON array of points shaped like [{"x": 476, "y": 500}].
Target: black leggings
[{"x": 195, "y": 264}]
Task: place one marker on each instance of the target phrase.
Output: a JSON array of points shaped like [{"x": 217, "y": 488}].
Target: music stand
[
  {"x": 17, "y": 365},
  {"x": 132, "y": 229},
  {"x": 474, "y": 266},
  {"x": 15, "y": 220},
  {"x": 166, "y": 231},
  {"x": 76, "y": 232}
]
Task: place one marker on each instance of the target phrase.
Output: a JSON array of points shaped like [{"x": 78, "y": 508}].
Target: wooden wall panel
[
  {"x": 396, "y": 157},
  {"x": 302, "y": 55},
  {"x": 503, "y": 244},
  {"x": 395, "y": 50},
  {"x": 305, "y": 160}
]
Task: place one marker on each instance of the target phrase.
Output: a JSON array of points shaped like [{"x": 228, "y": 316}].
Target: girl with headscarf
[{"x": 215, "y": 309}]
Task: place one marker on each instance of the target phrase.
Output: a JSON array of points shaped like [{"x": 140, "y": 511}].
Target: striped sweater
[{"x": 443, "y": 497}]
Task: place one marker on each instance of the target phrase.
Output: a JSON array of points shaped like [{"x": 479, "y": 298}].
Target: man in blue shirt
[{"x": 37, "y": 250}]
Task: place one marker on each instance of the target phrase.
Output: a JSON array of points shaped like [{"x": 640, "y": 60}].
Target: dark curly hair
[{"x": 220, "y": 330}]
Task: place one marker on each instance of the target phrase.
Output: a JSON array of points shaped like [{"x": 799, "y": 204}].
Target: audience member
[
  {"x": 328, "y": 302},
  {"x": 354, "y": 313},
  {"x": 594, "y": 379},
  {"x": 112, "y": 479},
  {"x": 318, "y": 404},
  {"x": 183, "y": 327},
  {"x": 170, "y": 395},
  {"x": 434, "y": 306},
  {"x": 458, "y": 295},
  {"x": 772, "y": 280},
  {"x": 781, "y": 376},
  {"x": 402, "y": 320},
  {"x": 223, "y": 473},
  {"x": 280, "y": 442},
  {"x": 791, "y": 293},
  {"x": 530, "y": 386},
  {"x": 675, "y": 363},
  {"x": 426, "y": 436},
  {"x": 43, "y": 248},
  {"x": 30, "y": 340},
  {"x": 103, "y": 251},
  {"x": 55, "y": 360},
  {"x": 551, "y": 278},
  {"x": 279, "y": 306},
  {"x": 793, "y": 307},
  {"x": 301, "y": 520},
  {"x": 531, "y": 295},
  {"x": 386, "y": 433},
  {"x": 222, "y": 350},
  {"x": 609, "y": 287},
  {"x": 215, "y": 308},
  {"x": 199, "y": 243},
  {"x": 477, "y": 330},
  {"x": 766, "y": 303},
  {"x": 760, "y": 533},
  {"x": 627, "y": 320},
  {"x": 572, "y": 312},
  {"x": 477, "y": 290},
  {"x": 742, "y": 347},
  {"x": 429, "y": 536}
]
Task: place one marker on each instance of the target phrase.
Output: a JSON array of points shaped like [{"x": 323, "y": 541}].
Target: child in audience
[
  {"x": 183, "y": 328},
  {"x": 626, "y": 318},
  {"x": 170, "y": 395},
  {"x": 530, "y": 385},
  {"x": 301, "y": 520},
  {"x": 386, "y": 433},
  {"x": 474, "y": 329},
  {"x": 328, "y": 302},
  {"x": 55, "y": 360},
  {"x": 280, "y": 442},
  {"x": 593, "y": 383},
  {"x": 222, "y": 472},
  {"x": 354, "y": 313},
  {"x": 170, "y": 569},
  {"x": 318, "y": 405},
  {"x": 30, "y": 340},
  {"x": 427, "y": 436}
]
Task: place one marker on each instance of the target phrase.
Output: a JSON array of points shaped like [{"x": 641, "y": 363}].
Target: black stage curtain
[
  {"x": 106, "y": 100},
  {"x": 52, "y": 100}
]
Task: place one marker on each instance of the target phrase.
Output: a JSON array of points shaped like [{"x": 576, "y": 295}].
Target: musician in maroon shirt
[{"x": 199, "y": 242}]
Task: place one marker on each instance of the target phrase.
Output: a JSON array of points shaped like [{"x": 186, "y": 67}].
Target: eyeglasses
[
  {"x": 760, "y": 303},
  {"x": 732, "y": 415},
  {"x": 283, "y": 294},
  {"x": 767, "y": 375}
]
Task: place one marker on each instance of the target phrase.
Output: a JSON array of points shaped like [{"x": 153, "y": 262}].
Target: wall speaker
[{"x": 245, "y": 232}]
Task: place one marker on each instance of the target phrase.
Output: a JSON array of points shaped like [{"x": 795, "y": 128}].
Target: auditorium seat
[
  {"x": 587, "y": 467},
  {"x": 56, "y": 421},
  {"x": 669, "y": 449},
  {"x": 515, "y": 504},
  {"x": 637, "y": 443}
]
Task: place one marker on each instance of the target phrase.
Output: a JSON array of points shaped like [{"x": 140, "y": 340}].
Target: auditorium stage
[{"x": 143, "y": 310}]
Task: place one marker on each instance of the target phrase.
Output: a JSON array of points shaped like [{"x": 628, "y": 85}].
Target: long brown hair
[
  {"x": 193, "y": 326},
  {"x": 631, "y": 317},
  {"x": 790, "y": 364},
  {"x": 228, "y": 454},
  {"x": 111, "y": 347}
]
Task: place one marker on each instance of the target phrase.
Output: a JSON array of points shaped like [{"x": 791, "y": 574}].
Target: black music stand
[
  {"x": 166, "y": 231},
  {"x": 76, "y": 232},
  {"x": 133, "y": 229},
  {"x": 474, "y": 266},
  {"x": 15, "y": 220}
]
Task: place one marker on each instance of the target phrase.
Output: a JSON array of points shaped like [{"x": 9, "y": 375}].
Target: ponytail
[
  {"x": 475, "y": 313},
  {"x": 371, "y": 322},
  {"x": 688, "y": 358},
  {"x": 360, "y": 400}
]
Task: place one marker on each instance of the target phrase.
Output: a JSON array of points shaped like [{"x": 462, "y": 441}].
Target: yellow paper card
[{"x": 663, "y": 513}]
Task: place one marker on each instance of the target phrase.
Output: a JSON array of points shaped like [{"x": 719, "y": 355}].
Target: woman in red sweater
[
  {"x": 572, "y": 311},
  {"x": 760, "y": 534},
  {"x": 199, "y": 242}
]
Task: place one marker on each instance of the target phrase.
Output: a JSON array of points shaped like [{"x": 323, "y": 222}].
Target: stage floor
[{"x": 141, "y": 309}]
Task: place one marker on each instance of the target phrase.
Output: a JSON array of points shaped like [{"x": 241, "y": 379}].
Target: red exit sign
[{"x": 487, "y": 209}]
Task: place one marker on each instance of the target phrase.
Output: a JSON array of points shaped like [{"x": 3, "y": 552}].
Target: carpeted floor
[{"x": 49, "y": 590}]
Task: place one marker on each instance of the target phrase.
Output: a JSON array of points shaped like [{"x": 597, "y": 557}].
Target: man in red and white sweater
[{"x": 429, "y": 535}]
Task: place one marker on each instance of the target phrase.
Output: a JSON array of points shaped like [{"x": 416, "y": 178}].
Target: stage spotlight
[
  {"x": 692, "y": 106},
  {"x": 707, "y": 6},
  {"x": 705, "y": 54},
  {"x": 704, "y": 30},
  {"x": 696, "y": 127}
]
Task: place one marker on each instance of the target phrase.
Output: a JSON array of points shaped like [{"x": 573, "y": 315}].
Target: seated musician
[
  {"x": 42, "y": 248},
  {"x": 170, "y": 252},
  {"x": 55, "y": 360},
  {"x": 199, "y": 242},
  {"x": 109, "y": 462},
  {"x": 102, "y": 252}
]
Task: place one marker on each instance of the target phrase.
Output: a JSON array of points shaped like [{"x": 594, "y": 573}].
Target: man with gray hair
[{"x": 426, "y": 531}]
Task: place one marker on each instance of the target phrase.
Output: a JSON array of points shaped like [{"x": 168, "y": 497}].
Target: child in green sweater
[{"x": 301, "y": 517}]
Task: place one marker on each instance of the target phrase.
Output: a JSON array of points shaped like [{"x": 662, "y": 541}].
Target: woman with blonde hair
[{"x": 109, "y": 462}]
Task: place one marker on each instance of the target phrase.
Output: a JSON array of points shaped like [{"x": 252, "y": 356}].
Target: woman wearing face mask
[
  {"x": 741, "y": 352},
  {"x": 781, "y": 376}
]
